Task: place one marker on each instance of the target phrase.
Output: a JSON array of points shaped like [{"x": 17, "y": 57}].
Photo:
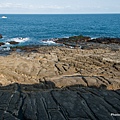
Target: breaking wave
[
  {"x": 20, "y": 39},
  {"x": 49, "y": 41}
]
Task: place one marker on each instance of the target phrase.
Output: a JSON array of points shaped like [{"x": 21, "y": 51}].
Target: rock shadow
[
  {"x": 45, "y": 101},
  {"x": 47, "y": 85}
]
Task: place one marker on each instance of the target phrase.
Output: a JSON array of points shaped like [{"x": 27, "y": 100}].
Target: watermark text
[{"x": 113, "y": 114}]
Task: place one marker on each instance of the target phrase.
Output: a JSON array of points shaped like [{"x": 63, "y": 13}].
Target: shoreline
[
  {"x": 69, "y": 41},
  {"x": 83, "y": 42}
]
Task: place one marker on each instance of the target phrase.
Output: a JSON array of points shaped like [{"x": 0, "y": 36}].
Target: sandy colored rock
[{"x": 95, "y": 67}]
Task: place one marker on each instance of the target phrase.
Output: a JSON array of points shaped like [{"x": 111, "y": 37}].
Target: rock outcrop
[
  {"x": 77, "y": 41},
  {"x": 106, "y": 40},
  {"x": 73, "y": 41}
]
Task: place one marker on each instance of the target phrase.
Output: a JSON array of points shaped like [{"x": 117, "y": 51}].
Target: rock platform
[{"x": 60, "y": 83}]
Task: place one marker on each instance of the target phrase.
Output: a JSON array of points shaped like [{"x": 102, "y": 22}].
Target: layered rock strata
[{"x": 63, "y": 66}]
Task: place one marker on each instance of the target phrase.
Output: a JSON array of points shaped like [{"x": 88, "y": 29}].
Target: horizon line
[{"x": 56, "y": 13}]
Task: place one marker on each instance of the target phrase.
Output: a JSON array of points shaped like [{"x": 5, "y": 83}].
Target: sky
[{"x": 59, "y": 6}]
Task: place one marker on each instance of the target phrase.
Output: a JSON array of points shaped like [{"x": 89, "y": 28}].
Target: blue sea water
[{"x": 32, "y": 29}]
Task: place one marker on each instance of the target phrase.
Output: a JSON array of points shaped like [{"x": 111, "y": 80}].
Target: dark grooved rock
[{"x": 73, "y": 103}]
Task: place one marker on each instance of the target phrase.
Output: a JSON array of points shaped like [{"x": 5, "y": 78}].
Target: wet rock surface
[
  {"x": 44, "y": 101},
  {"x": 85, "y": 42},
  {"x": 78, "y": 39},
  {"x": 106, "y": 40}
]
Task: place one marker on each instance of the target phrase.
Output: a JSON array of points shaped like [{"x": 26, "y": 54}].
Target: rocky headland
[{"x": 61, "y": 82}]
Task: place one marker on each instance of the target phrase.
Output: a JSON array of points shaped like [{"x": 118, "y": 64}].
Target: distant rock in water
[
  {"x": 74, "y": 39},
  {"x": 1, "y": 43},
  {"x": 13, "y": 42},
  {"x": 1, "y": 36}
]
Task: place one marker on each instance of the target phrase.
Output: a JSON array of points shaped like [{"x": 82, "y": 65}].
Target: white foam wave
[
  {"x": 49, "y": 42},
  {"x": 93, "y": 38},
  {"x": 20, "y": 39},
  {"x": 7, "y": 43},
  {"x": 66, "y": 37},
  {"x": 6, "y": 49}
]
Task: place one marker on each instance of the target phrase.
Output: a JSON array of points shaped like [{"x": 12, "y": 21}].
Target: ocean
[{"x": 33, "y": 29}]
